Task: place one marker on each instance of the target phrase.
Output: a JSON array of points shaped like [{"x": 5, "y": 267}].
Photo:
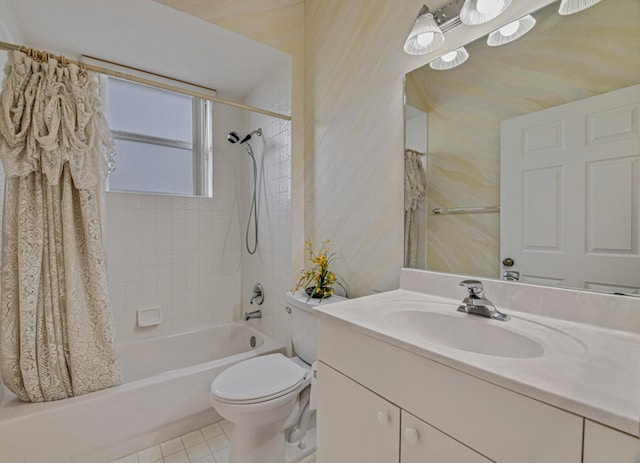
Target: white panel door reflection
[{"x": 570, "y": 193}]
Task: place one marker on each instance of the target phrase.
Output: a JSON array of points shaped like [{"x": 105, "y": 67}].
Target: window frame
[{"x": 201, "y": 145}]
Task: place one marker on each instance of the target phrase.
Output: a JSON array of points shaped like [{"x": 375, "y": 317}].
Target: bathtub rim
[{"x": 13, "y": 409}]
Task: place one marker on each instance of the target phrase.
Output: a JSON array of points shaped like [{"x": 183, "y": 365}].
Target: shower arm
[{"x": 257, "y": 132}]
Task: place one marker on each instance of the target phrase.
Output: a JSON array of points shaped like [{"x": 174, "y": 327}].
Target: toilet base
[
  {"x": 261, "y": 445},
  {"x": 264, "y": 444},
  {"x": 293, "y": 452}
]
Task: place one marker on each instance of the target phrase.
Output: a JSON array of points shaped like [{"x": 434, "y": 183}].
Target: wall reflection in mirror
[{"x": 542, "y": 133}]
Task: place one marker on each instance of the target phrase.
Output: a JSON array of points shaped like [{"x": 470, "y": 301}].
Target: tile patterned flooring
[{"x": 207, "y": 445}]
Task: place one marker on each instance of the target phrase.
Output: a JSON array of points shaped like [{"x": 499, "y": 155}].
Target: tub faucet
[
  {"x": 477, "y": 304},
  {"x": 251, "y": 315}
]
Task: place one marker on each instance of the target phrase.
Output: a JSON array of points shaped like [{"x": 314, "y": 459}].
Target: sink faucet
[{"x": 477, "y": 304}]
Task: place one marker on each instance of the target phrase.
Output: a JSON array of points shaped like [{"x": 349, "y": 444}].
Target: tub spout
[{"x": 251, "y": 315}]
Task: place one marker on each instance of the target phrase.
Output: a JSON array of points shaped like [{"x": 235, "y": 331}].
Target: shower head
[{"x": 233, "y": 137}]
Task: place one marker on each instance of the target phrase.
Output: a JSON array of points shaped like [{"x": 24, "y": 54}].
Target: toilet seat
[{"x": 257, "y": 380}]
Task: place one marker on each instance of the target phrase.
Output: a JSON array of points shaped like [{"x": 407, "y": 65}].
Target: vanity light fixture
[
  {"x": 511, "y": 31},
  {"x": 573, "y": 6},
  {"x": 425, "y": 35},
  {"x": 450, "y": 60},
  {"x": 476, "y": 12}
]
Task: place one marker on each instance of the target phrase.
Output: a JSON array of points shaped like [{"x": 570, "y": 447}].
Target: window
[{"x": 163, "y": 139}]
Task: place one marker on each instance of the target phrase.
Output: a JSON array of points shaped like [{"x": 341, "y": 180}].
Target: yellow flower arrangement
[{"x": 318, "y": 281}]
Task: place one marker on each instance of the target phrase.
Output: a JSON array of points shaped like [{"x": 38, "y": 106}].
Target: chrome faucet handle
[
  {"x": 477, "y": 304},
  {"x": 257, "y": 294},
  {"x": 511, "y": 275},
  {"x": 474, "y": 287}
]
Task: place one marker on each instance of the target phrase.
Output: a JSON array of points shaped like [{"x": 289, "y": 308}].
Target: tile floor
[{"x": 207, "y": 445}]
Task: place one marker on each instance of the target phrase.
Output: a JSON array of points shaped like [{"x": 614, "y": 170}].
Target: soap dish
[{"x": 149, "y": 317}]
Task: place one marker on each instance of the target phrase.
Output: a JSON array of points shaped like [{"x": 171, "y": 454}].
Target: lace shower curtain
[
  {"x": 415, "y": 191},
  {"x": 56, "y": 327}
]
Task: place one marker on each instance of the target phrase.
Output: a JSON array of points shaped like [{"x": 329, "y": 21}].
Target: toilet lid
[{"x": 258, "y": 379}]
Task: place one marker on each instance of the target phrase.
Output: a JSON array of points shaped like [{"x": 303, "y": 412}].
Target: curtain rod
[
  {"x": 141, "y": 80},
  {"x": 113, "y": 63},
  {"x": 464, "y": 210}
]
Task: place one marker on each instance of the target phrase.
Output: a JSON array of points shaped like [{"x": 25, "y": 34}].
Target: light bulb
[
  {"x": 448, "y": 57},
  {"x": 510, "y": 28},
  {"x": 450, "y": 60},
  {"x": 425, "y": 38},
  {"x": 487, "y": 6}
]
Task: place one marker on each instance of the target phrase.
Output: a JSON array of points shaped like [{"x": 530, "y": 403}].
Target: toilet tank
[{"x": 303, "y": 323}]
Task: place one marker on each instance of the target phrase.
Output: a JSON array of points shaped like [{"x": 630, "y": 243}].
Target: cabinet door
[
  {"x": 422, "y": 442},
  {"x": 354, "y": 424},
  {"x": 602, "y": 444}
]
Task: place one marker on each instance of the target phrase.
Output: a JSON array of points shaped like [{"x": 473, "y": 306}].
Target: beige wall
[
  {"x": 354, "y": 135},
  {"x": 354, "y": 130}
]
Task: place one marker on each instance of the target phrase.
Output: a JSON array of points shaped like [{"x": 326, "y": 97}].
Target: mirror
[{"x": 454, "y": 120}]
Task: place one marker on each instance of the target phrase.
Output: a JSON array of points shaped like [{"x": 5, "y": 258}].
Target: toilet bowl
[{"x": 262, "y": 396}]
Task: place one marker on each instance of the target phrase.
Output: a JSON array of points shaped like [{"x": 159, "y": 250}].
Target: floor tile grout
[{"x": 215, "y": 437}]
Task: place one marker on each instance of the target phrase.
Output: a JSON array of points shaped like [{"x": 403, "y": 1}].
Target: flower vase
[{"x": 318, "y": 295}]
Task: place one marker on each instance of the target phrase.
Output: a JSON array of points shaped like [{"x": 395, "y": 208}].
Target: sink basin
[{"x": 469, "y": 333}]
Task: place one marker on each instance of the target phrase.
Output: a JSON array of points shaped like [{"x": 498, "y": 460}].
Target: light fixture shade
[
  {"x": 450, "y": 60},
  {"x": 573, "y": 6},
  {"x": 476, "y": 12},
  {"x": 425, "y": 36},
  {"x": 511, "y": 31}
]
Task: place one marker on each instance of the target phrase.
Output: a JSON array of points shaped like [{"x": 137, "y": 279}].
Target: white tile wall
[
  {"x": 187, "y": 255},
  {"x": 271, "y": 265},
  {"x": 173, "y": 253},
  {"x": 181, "y": 254}
]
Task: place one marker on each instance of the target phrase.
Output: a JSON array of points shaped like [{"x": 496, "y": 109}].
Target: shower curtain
[
  {"x": 56, "y": 327},
  {"x": 415, "y": 191}
]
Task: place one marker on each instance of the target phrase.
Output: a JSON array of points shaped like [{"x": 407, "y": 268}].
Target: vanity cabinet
[
  {"x": 472, "y": 420},
  {"x": 362, "y": 426},
  {"x": 602, "y": 444}
]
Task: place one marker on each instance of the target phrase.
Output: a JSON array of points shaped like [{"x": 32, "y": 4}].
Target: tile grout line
[{"x": 215, "y": 437}]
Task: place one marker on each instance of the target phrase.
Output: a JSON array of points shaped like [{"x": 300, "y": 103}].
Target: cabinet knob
[
  {"x": 411, "y": 435},
  {"x": 383, "y": 417}
]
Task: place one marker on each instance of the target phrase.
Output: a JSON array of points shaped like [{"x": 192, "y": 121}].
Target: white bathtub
[{"x": 165, "y": 394}]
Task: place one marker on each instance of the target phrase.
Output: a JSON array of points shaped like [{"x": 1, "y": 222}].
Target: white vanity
[{"x": 405, "y": 377}]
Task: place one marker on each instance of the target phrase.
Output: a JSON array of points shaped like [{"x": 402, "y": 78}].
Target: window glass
[
  {"x": 149, "y": 111},
  {"x": 144, "y": 167}
]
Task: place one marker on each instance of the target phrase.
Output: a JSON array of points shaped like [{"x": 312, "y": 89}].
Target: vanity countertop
[{"x": 595, "y": 375}]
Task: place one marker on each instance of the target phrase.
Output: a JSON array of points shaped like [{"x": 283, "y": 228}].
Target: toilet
[{"x": 267, "y": 398}]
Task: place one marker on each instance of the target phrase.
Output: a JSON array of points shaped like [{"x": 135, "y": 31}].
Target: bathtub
[{"x": 165, "y": 393}]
